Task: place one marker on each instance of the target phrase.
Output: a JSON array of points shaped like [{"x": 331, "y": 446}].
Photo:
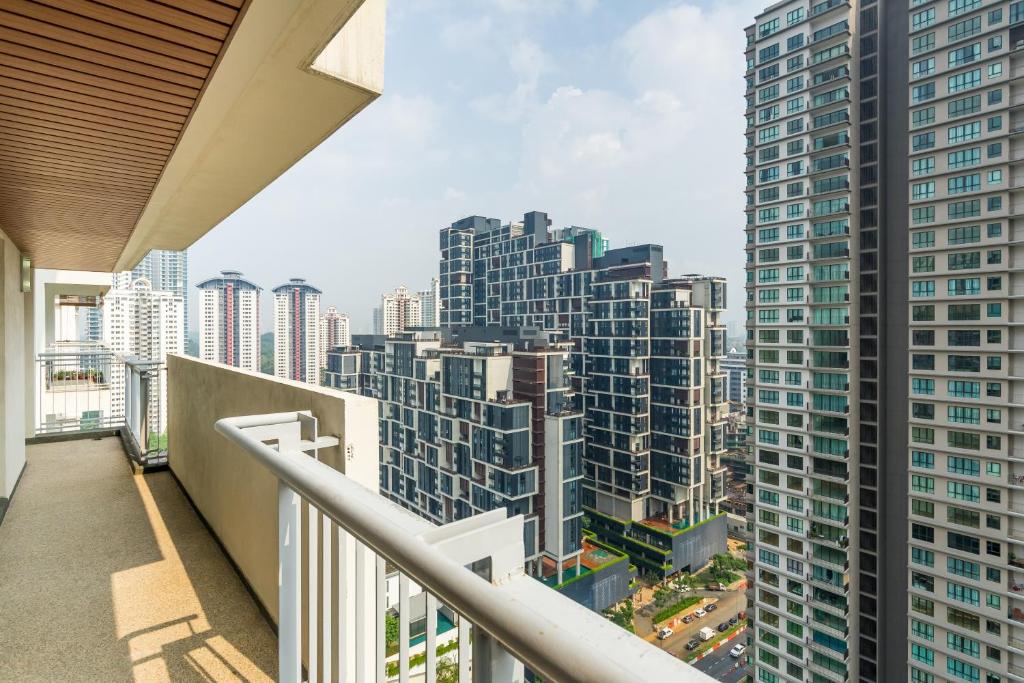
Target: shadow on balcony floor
[{"x": 106, "y": 575}]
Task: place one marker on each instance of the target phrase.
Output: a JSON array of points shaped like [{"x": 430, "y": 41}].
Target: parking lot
[{"x": 728, "y": 604}]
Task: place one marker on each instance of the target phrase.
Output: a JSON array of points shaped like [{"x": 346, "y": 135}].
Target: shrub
[{"x": 675, "y": 608}]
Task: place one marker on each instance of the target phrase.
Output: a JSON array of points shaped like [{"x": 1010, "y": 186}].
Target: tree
[
  {"x": 622, "y": 615},
  {"x": 390, "y": 628},
  {"x": 447, "y": 670}
]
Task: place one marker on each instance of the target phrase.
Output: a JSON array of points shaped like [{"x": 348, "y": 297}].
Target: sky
[{"x": 620, "y": 115}]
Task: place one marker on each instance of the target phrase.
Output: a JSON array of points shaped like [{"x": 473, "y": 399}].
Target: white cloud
[
  {"x": 467, "y": 35},
  {"x": 662, "y": 154},
  {"x": 509, "y": 106},
  {"x": 545, "y": 7},
  {"x": 528, "y": 62}
]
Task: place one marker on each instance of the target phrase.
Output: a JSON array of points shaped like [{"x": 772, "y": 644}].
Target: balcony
[
  {"x": 172, "y": 571},
  {"x": 142, "y": 589}
]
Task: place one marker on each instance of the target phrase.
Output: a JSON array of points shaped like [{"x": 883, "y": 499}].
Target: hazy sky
[{"x": 621, "y": 115}]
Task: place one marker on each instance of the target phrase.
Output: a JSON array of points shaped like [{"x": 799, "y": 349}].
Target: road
[{"x": 720, "y": 666}]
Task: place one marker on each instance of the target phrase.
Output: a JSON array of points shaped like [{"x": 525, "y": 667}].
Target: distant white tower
[
  {"x": 297, "y": 331},
  {"x": 229, "y": 323},
  {"x": 430, "y": 304},
  {"x": 166, "y": 271},
  {"x": 140, "y": 322},
  {"x": 400, "y": 310},
  {"x": 334, "y": 331}
]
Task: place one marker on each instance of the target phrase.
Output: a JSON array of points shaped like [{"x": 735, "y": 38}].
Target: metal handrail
[
  {"x": 557, "y": 638},
  {"x": 138, "y": 383}
]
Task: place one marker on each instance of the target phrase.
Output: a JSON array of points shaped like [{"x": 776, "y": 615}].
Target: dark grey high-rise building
[{"x": 645, "y": 353}]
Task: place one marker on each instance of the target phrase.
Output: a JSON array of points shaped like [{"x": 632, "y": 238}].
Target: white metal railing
[
  {"x": 506, "y": 621},
  {"x": 76, "y": 389},
  {"x": 85, "y": 387},
  {"x": 145, "y": 409}
]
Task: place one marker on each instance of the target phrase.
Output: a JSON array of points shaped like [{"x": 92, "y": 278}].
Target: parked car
[
  {"x": 693, "y": 644},
  {"x": 737, "y": 650},
  {"x": 688, "y": 619},
  {"x": 705, "y": 634},
  {"x": 711, "y": 608},
  {"x": 742, "y": 615},
  {"x": 683, "y": 588},
  {"x": 665, "y": 633},
  {"x": 732, "y": 621},
  {"x": 699, "y": 613},
  {"x": 716, "y": 586},
  {"x": 723, "y": 627}
]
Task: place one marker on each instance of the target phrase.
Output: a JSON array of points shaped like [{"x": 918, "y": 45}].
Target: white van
[{"x": 706, "y": 633}]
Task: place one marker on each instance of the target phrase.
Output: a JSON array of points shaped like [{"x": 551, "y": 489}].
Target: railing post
[
  {"x": 143, "y": 416},
  {"x": 492, "y": 663},
  {"x": 404, "y": 618},
  {"x": 289, "y": 604}
]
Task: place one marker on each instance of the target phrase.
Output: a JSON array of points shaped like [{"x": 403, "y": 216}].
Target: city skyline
[
  {"x": 641, "y": 123},
  {"x": 227, "y": 522}
]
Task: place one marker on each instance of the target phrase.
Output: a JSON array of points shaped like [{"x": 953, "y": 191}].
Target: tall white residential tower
[
  {"x": 399, "y": 310},
  {"x": 430, "y": 304},
  {"x": 335, "y": 331},
  {"x": 297, "y": 331},
  {"x": 229, "y": 325}
]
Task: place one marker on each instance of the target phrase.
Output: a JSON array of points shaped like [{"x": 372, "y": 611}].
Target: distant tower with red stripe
[
  {"x": 297, "y": 331},
  {"x": 229, "y": 321}
]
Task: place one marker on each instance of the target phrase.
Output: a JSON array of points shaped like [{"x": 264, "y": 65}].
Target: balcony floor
[{"x": 108, "y": 575}]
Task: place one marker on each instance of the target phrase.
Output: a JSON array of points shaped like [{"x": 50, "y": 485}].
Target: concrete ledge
[{"x": 235, "y": 495}]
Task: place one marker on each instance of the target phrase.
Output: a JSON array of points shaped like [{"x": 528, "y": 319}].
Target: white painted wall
[{"x": 12, "y": 367}]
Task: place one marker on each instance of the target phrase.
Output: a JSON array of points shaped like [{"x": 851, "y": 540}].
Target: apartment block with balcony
[
  {"x": 229, "y": 320},
  {"x": 656, "y": 406},
  {"x": 921, "y": 493},
  {"x": 481, "y": 420},
  {"x": 297, "y": 329},
  {"x": 653, "y": 404},
  {"x": 802, "y": 219},
  {"x": 965, "y": 617}
]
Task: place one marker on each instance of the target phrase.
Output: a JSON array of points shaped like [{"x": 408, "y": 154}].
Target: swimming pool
[{"x": 444, "y": 624}]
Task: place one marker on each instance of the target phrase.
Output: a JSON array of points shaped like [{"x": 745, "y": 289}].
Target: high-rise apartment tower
[
  {"x": 644, "y": 353},
  {"x": 229, "y": 326},
  {"x": 883, "y": 345},
  {"x": 335, "y": 331},
  {"x": 297, "y": 331}
]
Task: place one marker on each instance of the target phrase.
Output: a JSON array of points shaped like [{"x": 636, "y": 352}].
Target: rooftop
[{"x": 592, "y": 558}]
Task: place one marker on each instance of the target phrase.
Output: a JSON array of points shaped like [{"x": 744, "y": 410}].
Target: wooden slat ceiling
[{"x": 93, "y": 97}]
